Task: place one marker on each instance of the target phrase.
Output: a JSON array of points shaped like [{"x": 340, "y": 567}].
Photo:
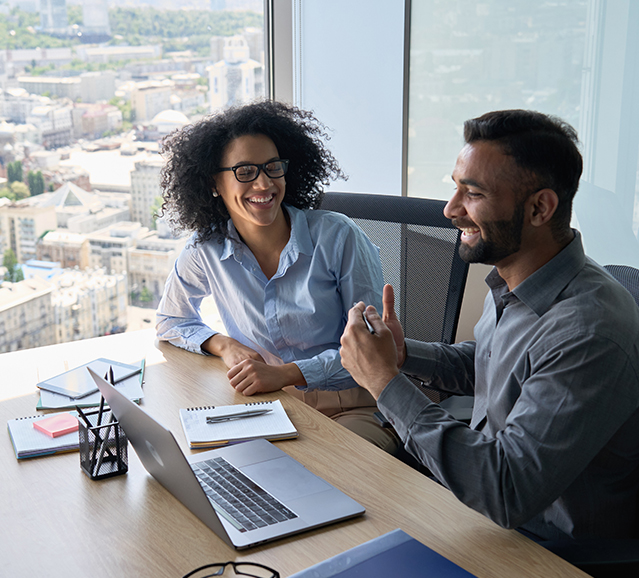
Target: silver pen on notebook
[{"x": 240, "y": 415}]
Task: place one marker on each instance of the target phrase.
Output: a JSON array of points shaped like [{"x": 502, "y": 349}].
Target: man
[{"x": 553, "y": 444}]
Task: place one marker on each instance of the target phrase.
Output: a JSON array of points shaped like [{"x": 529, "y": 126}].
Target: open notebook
[{"x": 274, "y": 425}]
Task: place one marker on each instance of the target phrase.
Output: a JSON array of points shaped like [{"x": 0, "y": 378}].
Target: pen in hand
[
  {"x": 368, "y": 324},
  {"x": 232, "y": 416}
]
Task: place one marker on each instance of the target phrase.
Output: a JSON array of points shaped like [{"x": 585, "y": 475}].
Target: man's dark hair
[
  {"x": 194, "y": 154},
  {"x": 544, "y": 146}
]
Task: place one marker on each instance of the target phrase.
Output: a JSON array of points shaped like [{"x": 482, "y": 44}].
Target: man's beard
[{"x": 502, "y": 239}]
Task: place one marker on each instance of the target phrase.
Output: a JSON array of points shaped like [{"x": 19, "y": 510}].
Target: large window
[
  {"x": 396, "y": 96},
  {"x": 88, "y": 91},
  {"x": 577, "y": 59}
]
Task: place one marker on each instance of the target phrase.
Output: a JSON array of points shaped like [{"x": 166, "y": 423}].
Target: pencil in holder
[{"x": 103, "y": 445}]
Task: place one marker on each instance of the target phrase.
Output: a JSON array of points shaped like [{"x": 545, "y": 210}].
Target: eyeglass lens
[{"x": 247, "y": 173}]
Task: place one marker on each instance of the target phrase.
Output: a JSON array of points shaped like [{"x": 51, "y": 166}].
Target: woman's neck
[{"x": 267, "y": 243}]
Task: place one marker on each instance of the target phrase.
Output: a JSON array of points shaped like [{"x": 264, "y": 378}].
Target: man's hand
[
  {"x": 371, "y": 359},
  {"x": 250, "y": 376},
  {"x": 230, "y": 350},
  {"x": 391, "y": 321}
]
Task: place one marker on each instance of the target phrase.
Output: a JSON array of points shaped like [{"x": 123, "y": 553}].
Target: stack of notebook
[{"x": 31, "y": 441}]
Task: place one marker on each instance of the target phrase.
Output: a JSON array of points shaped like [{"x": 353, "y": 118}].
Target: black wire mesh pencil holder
[{"x": 103, "y": 446}]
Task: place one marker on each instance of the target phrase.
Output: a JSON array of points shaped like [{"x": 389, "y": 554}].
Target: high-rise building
[
  {"x": 237, "y": 78},
  {"x": 53, "y": 16},
  {"x": 145, "y": 189},
  {"x": 95, "y": 18}
]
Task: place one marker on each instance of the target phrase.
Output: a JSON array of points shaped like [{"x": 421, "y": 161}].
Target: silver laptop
[{"x": 247, "y": 493}]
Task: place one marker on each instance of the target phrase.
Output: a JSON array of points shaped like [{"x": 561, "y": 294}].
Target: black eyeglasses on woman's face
[{"x": 247, "y": 173}]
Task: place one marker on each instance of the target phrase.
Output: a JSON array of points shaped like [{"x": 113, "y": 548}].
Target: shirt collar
[
  {"x": 541, "y": 289},
  {"x": 300, "y": 241}
]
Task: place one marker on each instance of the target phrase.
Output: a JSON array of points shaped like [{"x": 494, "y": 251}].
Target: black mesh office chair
[
  {"x": 420, "y": 258},
  {"x": 603, "y": 558},
  {"x": 627, "y": 276}
]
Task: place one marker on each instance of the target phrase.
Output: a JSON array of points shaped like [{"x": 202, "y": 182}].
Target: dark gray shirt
[{"x": 553, "y": 444}]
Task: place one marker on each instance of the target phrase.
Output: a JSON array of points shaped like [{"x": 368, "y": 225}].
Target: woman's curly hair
[{"x": 193, "y": 155}]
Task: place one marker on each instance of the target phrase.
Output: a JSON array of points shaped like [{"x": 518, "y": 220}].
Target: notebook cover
[{"x": 392, "y": 554}]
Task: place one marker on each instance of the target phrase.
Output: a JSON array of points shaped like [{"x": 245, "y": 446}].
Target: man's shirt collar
[{"x": 540, "y": 290}]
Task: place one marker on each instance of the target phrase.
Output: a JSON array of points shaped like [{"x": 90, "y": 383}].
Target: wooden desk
[{"x": 57, "y": 522}]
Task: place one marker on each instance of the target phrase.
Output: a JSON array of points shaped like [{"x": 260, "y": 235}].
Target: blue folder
[{"x": 392, "y": 554}]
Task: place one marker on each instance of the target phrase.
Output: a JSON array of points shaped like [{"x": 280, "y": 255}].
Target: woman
[{"x": 283, "y": 276}]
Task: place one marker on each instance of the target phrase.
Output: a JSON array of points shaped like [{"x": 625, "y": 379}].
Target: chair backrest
[
  {"x": 627, "y": 276},
  {"x": 420, "y": 258}
]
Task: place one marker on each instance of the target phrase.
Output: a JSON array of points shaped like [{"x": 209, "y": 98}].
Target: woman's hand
[
  {"x": 252, "y": 376},
  {"x": 230, "y": 350}
]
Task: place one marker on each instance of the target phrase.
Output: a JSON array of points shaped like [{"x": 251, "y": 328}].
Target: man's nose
[{"x": 454, "y": 207}]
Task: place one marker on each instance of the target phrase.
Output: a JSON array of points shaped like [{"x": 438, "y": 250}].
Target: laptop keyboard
[{"x": 245, "y": 504}]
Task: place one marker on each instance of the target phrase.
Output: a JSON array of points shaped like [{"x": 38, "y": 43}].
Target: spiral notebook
[
  {"x": 275, "y": 425},
  {"x": 28, "y": 442}
]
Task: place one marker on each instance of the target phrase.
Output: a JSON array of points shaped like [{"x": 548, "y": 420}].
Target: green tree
[
  {"x": 6, "y": 192},
  {"x": 20, "y": 190},
  {"x": 145, "y": 295},
  {"x": 14, "y": 271},
  {"x": 156, "y": 208},
  {"x": 36, "y": 183},
  {"x": 14, "y": 171}
]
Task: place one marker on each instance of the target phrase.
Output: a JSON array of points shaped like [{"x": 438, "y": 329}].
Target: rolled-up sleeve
[{"x": 178, "y": 319}]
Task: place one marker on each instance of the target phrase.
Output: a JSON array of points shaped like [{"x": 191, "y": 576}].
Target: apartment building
[
  {"x": 71, "y": 250},
  {"x": 145, "y": 189},
  {"x": 54, "y": 124},
  {"x": 21, "y": 225},
  {"x": 152, "y": 258},
  {"x": 26, "y": 315},
  {"x": 93, "y": 120},
  {"x": 89, "y": 304},
  {"x": 63, "y": 87},
  {"x": 17, "y": 103},
  {"x": 151, "y": 97},
  {"x": 108, "y": 248}
]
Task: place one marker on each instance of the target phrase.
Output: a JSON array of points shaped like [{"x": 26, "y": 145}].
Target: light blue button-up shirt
[{"x": 297, "y": 316}]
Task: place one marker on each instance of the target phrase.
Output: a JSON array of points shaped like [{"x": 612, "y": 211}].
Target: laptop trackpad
[{"x": 285, "y": 478}]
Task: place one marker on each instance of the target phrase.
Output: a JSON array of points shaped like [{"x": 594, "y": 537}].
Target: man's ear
[{"x": 542, "y": 206}]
